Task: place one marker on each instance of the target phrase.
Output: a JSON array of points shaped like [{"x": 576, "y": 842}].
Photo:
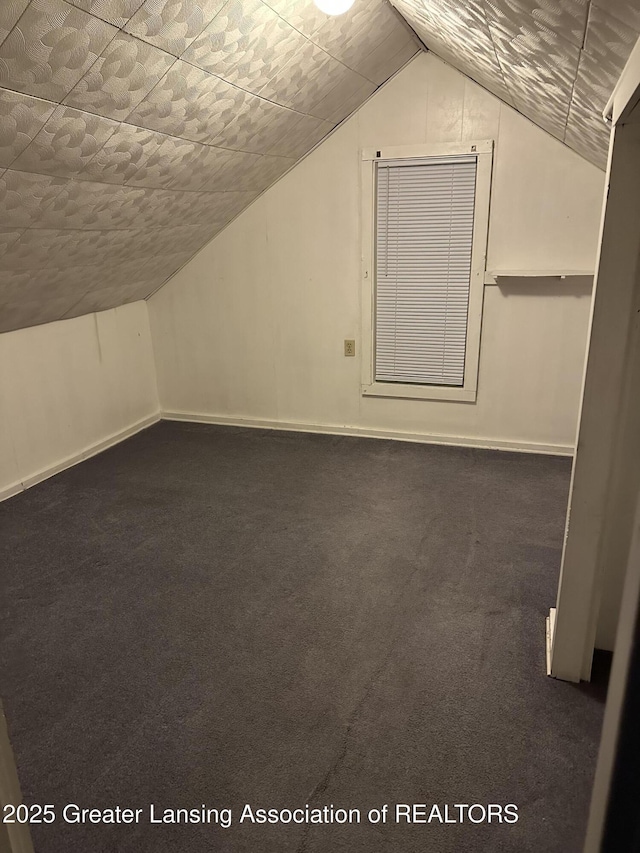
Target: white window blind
[{"x": 424, "y": 235}]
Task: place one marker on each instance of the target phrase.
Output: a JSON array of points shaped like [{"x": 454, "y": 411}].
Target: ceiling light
[{"x": 334, "y": 7}]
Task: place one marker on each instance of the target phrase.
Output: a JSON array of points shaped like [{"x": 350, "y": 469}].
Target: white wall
[
  {"x": 67, "y": 388},
  {"x": 253, "y": 327}
]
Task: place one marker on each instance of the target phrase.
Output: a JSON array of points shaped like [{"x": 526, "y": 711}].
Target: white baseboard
[
  {"x": 332, "y": 429},
  {"x": 287, "y": 426},
  {"x": 87, "y": 453}
]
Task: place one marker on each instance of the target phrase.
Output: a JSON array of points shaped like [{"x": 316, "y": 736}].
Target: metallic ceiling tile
[
  {"x": 523, "y": 45},
  {"x": 233, "y": 114},
  {"x": 627, "y": 11},
  {"x": 543, "y": 70},
  {"x": 246, "y": 44},
  {"x": 587, "y": 130},
  {"x": 352, "y": 37},
  {"x": 92, "y": 277},
  {"x": 161, "y": 266},
  {"x": 351, "y": 103},
  {"x": 264, "y": 173},
  {"x": 300, "y": 138},
  {"x": 91, "y": 206},
  {"x": 66, "y": 144},
  {"x": 178, "y": 239},
  {"x": 594, "y": 84},
  {"x": 20, "y": 313},
  {"x": 110, "y": 297},
  {"x": 51, "y": 47},
  {"x": 196, "y": 149},
  {"x": 21, "y": 118},
  {"x": 120, "y": 247},
  {"x": 123, "y": 75},
  {"x": 117, "y": 247},
  {"x": 44, "y": 284},
  {"x": 36, "y": 249},
  {"x": 535, "y": 65},
  {"x": 116, "y": 12},
  {"x": 220, "y": 105},
  {"x": 221, "y": 206},
  {"x": 386, "y": 67},
  {"x": 162, "y": 208},
  {"x": 347, "y": 88},
  {"x": 130, "y": 282},
  {"x": 93, "y": 248},
  {"x": 10, "y": 12},
  {"x": 217, "y": 170},
  {"x": 257, "y": 128},
  {"x": 375, "y": 65},
  {"x": 130, "y": 245},
  {"x": 122, "y": 155},
  {"x": 584, "y": 134},
  {"x": 102, "y": 207},
  {"x": 190, "y": 103},
  {"x": 489, "y": 76},
  {"x": 457, "y": 31},
  {"x": 555, "y": 19},
  {"x": 162, "y": 167},
  {"x": 549, "y": 116},
  {"x": 340, "y": 81},
  {"x": 304, "y": 15},
  {"x": 119, "y": 283},
  {"x": 608, "y": 43},
  {"x": 25, "y": 198},
  {"x": 125, "y": 246},
  {"x": 304, "y": 80},
  {"x": 173, "y": 24},
  {"x": 8, "y": 237}
]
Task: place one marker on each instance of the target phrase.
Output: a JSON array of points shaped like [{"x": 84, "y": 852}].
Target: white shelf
[{"x": 492, "y": 276}]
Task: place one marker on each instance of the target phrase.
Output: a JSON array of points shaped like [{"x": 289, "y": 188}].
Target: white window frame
[{"x": 370, "y": 156}]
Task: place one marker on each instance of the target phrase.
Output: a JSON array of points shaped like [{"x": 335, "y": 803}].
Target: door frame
[{"x": 605, "y": 393}]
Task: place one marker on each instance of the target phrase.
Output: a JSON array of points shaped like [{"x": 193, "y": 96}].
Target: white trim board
[
  {"x": 362, "y": 432},
  {"x": 286, "y": 426},
  {"x": 550, "y": 627},
  {"x": 70, "y": 461}
]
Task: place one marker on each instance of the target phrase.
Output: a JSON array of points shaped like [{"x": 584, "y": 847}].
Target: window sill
[{"x": 419, "y": 392}]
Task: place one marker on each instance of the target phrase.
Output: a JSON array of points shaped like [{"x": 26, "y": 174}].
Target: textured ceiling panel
[
  {"x": 50, "y": 48},
  {"x": 352, "y": 39},
  {"x": 305, "y": 17},
  {"x": 25, "y": 198},
  {"x": 123, "y": 154},
  {"x": 247, "y": 43},
  {"x": 133, "y": 131},
  {"x": 10, "y": 11},
  {"x": 116, "y": 12},
  {"x": 173, "y": 24},
  {"x": 116, "y": 83},
  {"x": 556, "y": 61},
  {"x": 21, "y": 118},
  {"x": 66, "y": 143},
  {"x": 8, "y": 236}
]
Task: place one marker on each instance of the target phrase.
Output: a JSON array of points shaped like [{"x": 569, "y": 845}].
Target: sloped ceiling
[
  {"x": 556, "y": 61},
  {"x": 132, "y": 131}
]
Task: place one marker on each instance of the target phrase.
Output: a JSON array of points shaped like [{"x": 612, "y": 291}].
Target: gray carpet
[{"x": 208, "y": 615}]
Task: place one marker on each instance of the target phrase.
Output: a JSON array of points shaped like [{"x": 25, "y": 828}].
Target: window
[{"x": 423, "y": 272}]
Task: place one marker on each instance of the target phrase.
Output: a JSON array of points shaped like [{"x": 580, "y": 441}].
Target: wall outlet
[{"x": 349, "y": 348}]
